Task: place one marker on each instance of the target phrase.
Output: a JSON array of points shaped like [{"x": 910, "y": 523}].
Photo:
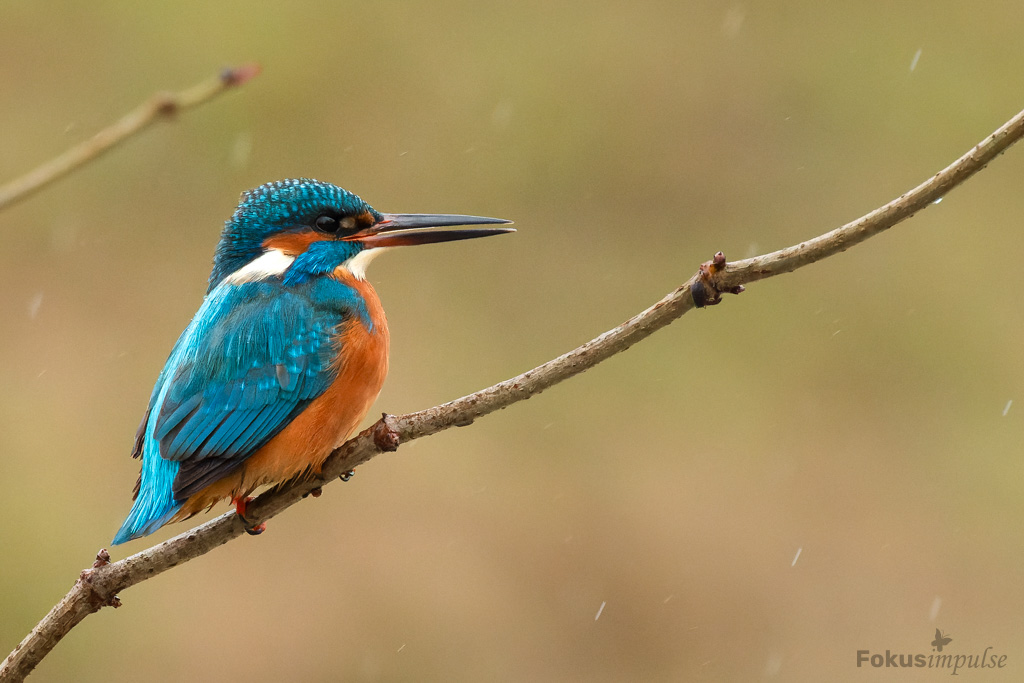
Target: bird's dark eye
[{"x": 327, "y": 224}]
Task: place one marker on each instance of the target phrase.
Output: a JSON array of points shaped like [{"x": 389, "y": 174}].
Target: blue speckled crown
[
  {"x": 276, "y": 207},
  {"x": 294, "y": 201}
]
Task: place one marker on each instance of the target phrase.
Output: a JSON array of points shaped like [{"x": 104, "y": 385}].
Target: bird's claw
[
  {"x": 241, "y": 505},
  {"x": 316, "y": 492}
]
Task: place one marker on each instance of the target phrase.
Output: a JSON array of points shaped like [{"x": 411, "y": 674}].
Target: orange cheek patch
[{"x": 294, "y": 243}]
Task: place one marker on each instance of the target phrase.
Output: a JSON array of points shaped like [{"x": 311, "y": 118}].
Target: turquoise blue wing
[
  {"x": 258, "y": 363},
  {"x": 255, "y": 355}
]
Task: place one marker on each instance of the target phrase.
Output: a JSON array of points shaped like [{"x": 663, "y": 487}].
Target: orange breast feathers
[{"x": 361, "y": 358}]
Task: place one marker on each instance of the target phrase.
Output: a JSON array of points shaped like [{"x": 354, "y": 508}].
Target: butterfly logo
[{"x": 940, "y": 641}]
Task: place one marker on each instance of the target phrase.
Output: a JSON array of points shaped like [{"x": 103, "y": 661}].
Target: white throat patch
[
  {"x": 358, "y": 263},
  {"x": 273, "y": 262}
]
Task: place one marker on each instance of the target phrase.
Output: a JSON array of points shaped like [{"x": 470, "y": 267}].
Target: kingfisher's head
[{"x": 308, "y": 227}]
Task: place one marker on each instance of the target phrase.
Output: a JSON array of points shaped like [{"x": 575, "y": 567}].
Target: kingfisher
[{"x": 285, "y": 356}]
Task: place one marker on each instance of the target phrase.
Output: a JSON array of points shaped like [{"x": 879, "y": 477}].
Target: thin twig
[
  {"x": 100, "y": 585},
  {"x": 838, "y": 240},
  {"x": 159, "y": 106}
]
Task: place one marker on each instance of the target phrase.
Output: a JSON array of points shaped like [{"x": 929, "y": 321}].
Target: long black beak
[{"x": 401, "y": 229}]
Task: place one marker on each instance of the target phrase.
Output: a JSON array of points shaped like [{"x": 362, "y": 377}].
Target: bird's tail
[{"x": 155, "y": 504}]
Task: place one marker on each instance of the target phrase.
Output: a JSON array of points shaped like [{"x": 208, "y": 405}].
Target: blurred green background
[{"x": 852, "y": 416}]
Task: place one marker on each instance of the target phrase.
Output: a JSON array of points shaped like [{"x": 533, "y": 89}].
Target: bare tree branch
[
  {"x": 921, "y": 197},
  {"x": 99, "y": 586},
  {"x": 161, "y": 105}
]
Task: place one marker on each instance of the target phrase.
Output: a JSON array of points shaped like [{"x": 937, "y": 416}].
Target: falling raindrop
[
  {"x": 913, "y": 62},
  {"x": 241, "y": 149},
  {"x": 733, "y": 21},
  {"x": 37, "y": 301}
]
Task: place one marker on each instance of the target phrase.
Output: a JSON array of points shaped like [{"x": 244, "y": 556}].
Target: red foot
[{"x": 241, "y": 505}]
